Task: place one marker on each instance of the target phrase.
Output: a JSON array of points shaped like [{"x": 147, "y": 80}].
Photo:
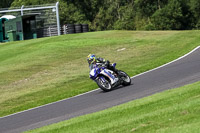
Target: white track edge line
[
  {"x": 167, "y": 63},
  {"x": 99, "y": 88},
  {"x": 49, "y": 104}
]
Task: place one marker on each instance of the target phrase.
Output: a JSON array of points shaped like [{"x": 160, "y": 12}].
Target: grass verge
[
  {"x": 172, "y": 111},
  {"x": 41, "y": 71}
]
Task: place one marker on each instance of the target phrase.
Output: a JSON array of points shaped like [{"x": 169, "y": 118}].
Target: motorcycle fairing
[{"x": 108, "y": 74}]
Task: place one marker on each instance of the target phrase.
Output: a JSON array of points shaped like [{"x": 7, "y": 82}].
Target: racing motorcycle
[{"x": 107, "y": 79}]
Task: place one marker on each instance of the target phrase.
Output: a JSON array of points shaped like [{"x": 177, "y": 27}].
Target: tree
[
  {"x": 126, "y": 20},
  {"x": 195, "y": 9},
  {"x": 107, "y": 15},
  {"x": 174, "y": 16},
  {"x": 6, "y": 3},
  {"x": 127, "y": 14},
  {"x": 71, "y": 14},
  {"x": 88, "y": 7},
  {"x": 115, "y": 14}
]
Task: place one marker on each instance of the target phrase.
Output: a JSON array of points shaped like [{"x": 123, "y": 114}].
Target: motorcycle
[{"x": 107, "y": 79}]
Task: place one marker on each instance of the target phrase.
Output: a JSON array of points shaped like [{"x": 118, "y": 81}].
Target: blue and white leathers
[{"x": 100, "y": 72}]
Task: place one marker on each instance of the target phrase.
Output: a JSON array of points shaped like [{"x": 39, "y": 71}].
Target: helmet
[{"x": 91, "y": 58}]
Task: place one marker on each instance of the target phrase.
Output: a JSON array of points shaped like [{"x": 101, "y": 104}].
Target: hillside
[{"x": 40, "y": 71}]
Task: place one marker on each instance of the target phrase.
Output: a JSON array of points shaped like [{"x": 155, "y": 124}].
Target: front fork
[{"x": 100, "y": 78}]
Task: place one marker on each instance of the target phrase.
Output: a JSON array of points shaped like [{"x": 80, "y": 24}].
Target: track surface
[{"x": 178, "y": 73}]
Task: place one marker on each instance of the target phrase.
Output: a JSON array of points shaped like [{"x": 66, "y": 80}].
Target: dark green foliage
[
  {"x": 126, "y": 14},
  {"x": 174, "y": 16},
  {"x": 19, "y": 3},
  {"x": 5, "y": 3},
  {"x": 126, "y": 20},
  {"x": 195, "y": 9}
]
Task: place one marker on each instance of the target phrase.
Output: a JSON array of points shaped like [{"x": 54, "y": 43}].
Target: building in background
[{"x": 30, "y": 22}]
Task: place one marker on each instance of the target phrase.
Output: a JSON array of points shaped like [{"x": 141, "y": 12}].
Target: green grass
[
  {"x": 40, "y": 71},
  {"x": 172, "y": 111}
]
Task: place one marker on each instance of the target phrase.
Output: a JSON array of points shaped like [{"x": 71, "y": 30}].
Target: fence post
[
  {"x": 58, "y": 19},
  {"x": 64, "y": 28},
  {"x": 22, "y": 13},
  {"x": 49, "y": 31}
]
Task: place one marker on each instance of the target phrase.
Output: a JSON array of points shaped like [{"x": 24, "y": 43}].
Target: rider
[{"x": 92, "y": 60}]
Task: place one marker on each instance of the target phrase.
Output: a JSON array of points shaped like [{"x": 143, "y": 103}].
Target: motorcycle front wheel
[{"x": 104, "y": 84}]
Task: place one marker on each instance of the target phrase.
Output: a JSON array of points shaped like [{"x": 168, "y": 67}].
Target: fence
[
  {"x": 47, "y": 19},
  {"x": 65, "y": 29}
]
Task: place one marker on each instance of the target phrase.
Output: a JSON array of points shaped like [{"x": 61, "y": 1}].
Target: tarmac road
[{"x": 183, "y": 71}]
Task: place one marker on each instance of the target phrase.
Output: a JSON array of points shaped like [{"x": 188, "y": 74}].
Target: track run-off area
[{"x": 182, "y": 71}]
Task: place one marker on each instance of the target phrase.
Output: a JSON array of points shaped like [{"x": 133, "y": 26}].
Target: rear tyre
[
  {"x": 125, "y": 78},
  {"x": 104, "y": 84}
]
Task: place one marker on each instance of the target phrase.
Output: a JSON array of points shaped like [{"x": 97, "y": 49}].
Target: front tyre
[
  {"x": 126, "y": 80},
  {"x": 104, "y": 84}
]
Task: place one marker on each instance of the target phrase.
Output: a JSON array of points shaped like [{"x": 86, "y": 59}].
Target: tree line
[{"x": 126, "y": 14}]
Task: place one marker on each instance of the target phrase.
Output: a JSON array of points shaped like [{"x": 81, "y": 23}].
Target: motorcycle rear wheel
[{"x": 126, "y": 79}]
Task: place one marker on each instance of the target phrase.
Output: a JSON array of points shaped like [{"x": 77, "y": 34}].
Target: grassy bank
[
  {"x": 40, "y": 71},
  {"x": 172, "y": 111}
]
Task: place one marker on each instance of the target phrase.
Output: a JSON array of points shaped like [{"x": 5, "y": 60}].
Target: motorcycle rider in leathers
[{"x": 92, "y": 60}]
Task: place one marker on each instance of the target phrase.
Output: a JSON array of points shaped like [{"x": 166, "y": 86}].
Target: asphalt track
[{"x": 180, "y": 72}]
